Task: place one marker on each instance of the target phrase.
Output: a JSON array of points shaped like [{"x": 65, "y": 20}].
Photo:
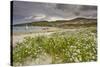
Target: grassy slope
[{"x": 68, "y": 24}]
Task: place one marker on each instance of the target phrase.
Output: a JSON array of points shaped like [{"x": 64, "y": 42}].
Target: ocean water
[{"x": 27, "y": 29}]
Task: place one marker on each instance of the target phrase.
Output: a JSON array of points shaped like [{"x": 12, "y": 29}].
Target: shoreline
[{"x": 19, "y": 38}]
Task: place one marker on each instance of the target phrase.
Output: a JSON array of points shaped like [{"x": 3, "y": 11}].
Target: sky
[{"x": 24, "y": 12}]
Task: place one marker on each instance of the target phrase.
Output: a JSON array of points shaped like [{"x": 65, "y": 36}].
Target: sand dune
[{"x": 19, "y": 38}]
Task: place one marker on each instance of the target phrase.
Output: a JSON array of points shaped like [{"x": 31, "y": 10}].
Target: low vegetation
[{"x": 62, "y": 47}]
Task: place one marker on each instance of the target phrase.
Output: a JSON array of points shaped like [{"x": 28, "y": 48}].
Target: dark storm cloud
[
  {"x": 88, "y": 8},
  {"x": 34, "y": 11},
  {"x": 78, "y": 9}
]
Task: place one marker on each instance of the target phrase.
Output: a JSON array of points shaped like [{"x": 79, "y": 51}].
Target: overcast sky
[{"x": 34, "y": 11}]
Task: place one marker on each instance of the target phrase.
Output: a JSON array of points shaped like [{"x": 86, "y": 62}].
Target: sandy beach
[{"x": 19, "y": 38}]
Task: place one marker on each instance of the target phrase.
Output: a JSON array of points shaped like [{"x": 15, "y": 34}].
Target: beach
[{"x": 20, "y": 38}]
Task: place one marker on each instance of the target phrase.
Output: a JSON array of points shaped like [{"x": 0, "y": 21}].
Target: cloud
[
  {"x": 39, "y": 16},
  {"x": 85, "y": 8},
  {"x": 27, "y": 18},
  {"x": 35, "y": 11},
  {"x": 54, "y": 18}
]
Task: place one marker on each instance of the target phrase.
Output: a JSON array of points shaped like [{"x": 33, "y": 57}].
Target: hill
[{"x": 77, "y": 22}]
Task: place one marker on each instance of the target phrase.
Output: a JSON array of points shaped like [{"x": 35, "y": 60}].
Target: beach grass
[{"x": 62, "y": 47}]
